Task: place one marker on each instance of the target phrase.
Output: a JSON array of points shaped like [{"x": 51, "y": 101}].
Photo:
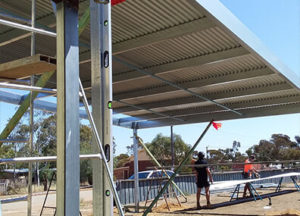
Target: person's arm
[
  {"x": 253, "y": 169},
  {"x": 194, "y": 170},
  {"x": 255, "y": 172},
  {"x": 209, "y": 175}
]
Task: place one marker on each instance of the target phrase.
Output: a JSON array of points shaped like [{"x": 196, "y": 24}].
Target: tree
[
  {"x": 160, "y": 147},
  {"x": 45, "y": 142},
  {"x": 297, "y": 138},
  {"x": 120, "y": 160},
  {"x": 215, "y": 156},
  {"x": 279, "y": 147}
]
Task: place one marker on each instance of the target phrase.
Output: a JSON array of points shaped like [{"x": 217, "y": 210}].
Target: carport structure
[{"x": 173, "y": 62}]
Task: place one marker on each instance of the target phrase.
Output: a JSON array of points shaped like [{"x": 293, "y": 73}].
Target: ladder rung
[{"x": 52, "y": 190}]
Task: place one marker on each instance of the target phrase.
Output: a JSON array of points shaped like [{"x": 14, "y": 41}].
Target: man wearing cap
[
  {"x": 247, "y": 173},
  {"x": 201, "y": 179}
]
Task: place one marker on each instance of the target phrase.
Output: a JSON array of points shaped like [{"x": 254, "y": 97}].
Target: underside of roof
[{"x": 174, "y": 62}]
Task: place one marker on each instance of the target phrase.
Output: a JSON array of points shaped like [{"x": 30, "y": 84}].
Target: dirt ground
[{"x": 285, "y": 204}]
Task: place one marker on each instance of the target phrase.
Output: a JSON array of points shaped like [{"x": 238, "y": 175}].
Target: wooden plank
[{"x": 37, "y": 64}]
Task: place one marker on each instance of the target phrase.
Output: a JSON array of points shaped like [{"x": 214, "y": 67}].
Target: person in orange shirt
[{"x": 247, "y": 173}]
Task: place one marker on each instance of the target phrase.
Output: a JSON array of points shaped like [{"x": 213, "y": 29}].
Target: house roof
[{"x": 142, "y": 156}]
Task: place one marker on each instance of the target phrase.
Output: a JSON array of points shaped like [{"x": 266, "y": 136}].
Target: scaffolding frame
[{"x": 68, "y": 119}]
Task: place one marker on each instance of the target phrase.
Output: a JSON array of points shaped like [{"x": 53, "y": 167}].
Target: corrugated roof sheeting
[
  {"x": 133, "y": 18},
  {"x": 275, "y": 97},
  {"x": 189, "y": 46},
  {"x": 245, "y": 102},
  {"x": 202, "y": 72},
  {"x": 21, "y": 48},
  {"x": 135, "y": 85},
  {"x": 176, "y": 41}
]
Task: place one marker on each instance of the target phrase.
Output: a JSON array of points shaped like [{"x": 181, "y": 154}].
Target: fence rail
[{"x": 186, "y": 183}]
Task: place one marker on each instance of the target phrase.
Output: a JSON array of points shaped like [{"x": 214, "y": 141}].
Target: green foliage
[
  {"x": 121, "y": 160},
  {"x": 279, "y": 147},
  {"x": 228, "y": 154},
  {"x": 45, "y": 144},
  {"x": 7, "y": 151},
  {"x": 160, "y": 147},
  {"x": 46, "y": 136},
  {"x": 85, "y": 148}
]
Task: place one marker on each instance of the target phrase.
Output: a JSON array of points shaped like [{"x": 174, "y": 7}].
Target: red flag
[
  {"x": 114, "y": 2},
  {"x": 217, "y": 125}
]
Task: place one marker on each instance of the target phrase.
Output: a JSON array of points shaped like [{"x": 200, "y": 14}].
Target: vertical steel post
[
  {"x": 172, "y": 148},
  {"x": 136, "y": 169},
  {"x": 101, "y": 101},
  {"x": 102, "y": 153},
  {"x": 29, "y": 186},
  {"x": 98, "y": 190},
  {"x": 67, "y": 195}
]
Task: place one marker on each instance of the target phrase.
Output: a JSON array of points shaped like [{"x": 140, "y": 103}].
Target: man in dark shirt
[{"x": 201, "y": 179}]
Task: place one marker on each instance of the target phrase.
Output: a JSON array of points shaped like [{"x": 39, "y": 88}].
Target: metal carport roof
[{"x": 174, "y": 62}]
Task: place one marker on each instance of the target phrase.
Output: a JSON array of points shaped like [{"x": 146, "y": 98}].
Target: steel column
[
  {"x": 172, "y": 148},
  {"x": 67, "y": 201},
  {"x": 136, "y": 169},
  {"x": 98, "y": 187},
  {"x": 100, "y": 27},
  {"x": 31, "y": 111}
]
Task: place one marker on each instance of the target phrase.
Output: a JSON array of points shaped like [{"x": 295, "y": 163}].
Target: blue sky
[{"x": 277, "y": 24}]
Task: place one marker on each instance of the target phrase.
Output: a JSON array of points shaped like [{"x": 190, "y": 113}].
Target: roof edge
[{"x": 231, "y": 24}]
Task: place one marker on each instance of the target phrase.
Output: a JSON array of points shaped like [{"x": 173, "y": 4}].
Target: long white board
[{"x": 227, "y": 184}]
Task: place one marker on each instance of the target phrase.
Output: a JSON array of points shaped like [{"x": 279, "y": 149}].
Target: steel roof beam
[
  {"x": 176, "y": 86},
  {"x": 225, "y": 115},
  {"x": 9, "y": 97},
  {"x": 217, "y": 95},
  {"x": 185, "y": 63},
  {"x": 256, "y": 102},
  {"x": 203, "y": 81},
  {"x": 161, "y": 35},
  {"x": 153, "y": 112}
]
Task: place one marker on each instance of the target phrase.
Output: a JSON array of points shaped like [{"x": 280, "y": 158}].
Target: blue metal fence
[{"x": 186, "y": 183}]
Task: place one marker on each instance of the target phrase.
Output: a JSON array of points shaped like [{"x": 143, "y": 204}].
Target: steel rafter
[{"x": 174, "y": 85}]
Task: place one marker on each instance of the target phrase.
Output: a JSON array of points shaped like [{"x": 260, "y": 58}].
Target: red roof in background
[{"x": 114, "y": 2}]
